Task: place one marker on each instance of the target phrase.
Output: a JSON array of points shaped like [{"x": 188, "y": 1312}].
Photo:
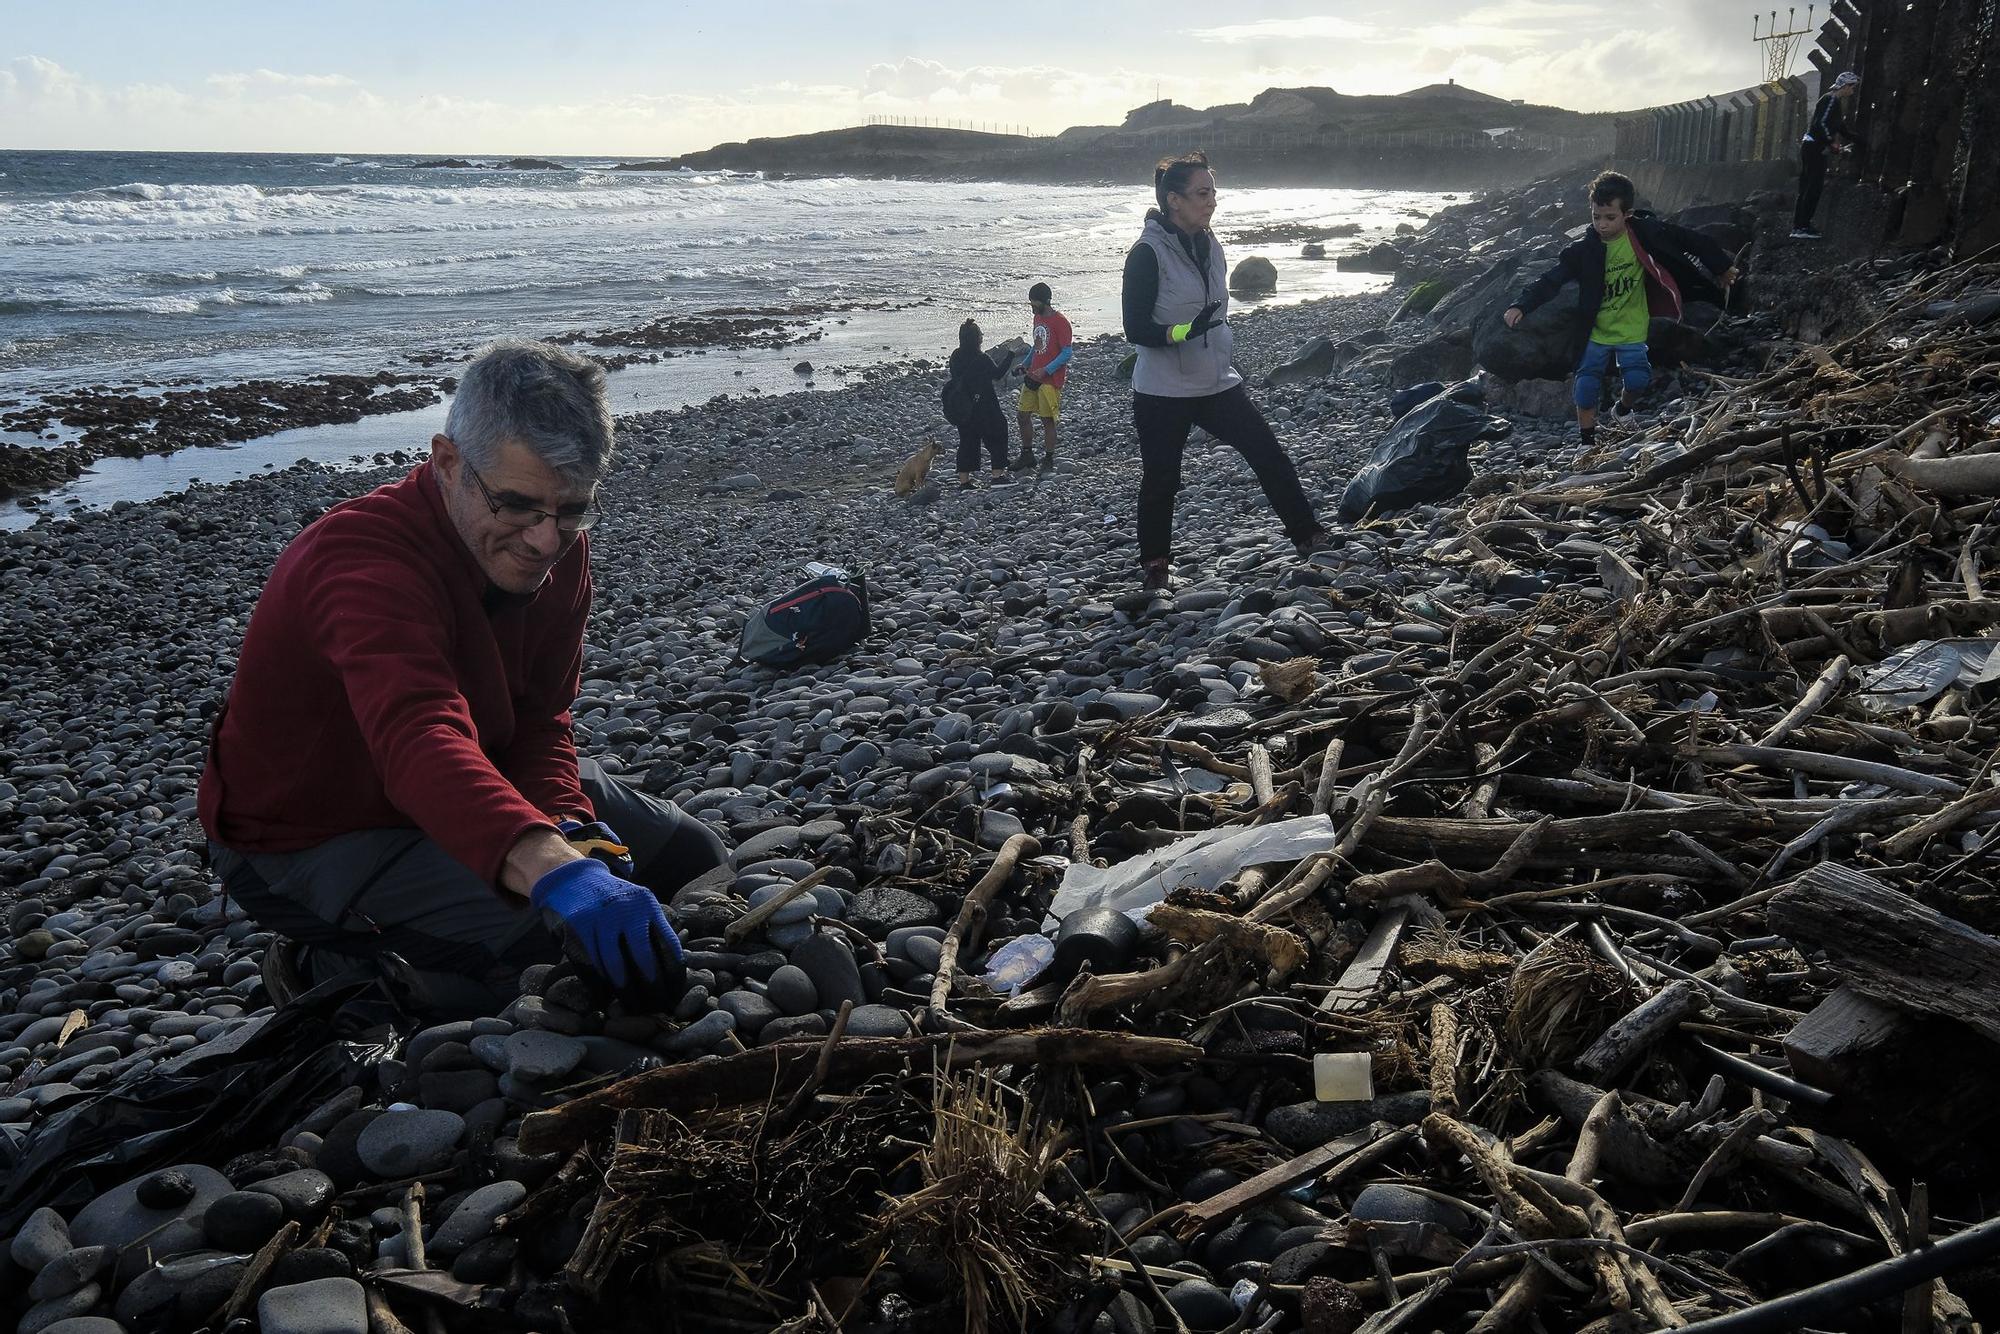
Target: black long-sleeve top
[
  {"x": 1142, "y": 289},
  {"x": 1829, "y": 123},
  {"x": 977, "y": 372}
]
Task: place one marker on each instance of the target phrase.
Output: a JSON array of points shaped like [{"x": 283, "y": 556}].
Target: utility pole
[{"x": 1779, "y": 46}]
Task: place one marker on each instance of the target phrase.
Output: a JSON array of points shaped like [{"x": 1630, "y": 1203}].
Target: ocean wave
[
  {"x": 84, "y": 301},
  {"x": 305, "y": 294}
]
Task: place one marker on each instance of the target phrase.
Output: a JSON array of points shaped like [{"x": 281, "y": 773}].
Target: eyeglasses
[{"x": 527, "y": 516}]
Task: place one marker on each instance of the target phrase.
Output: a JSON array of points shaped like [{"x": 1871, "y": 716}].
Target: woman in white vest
[{"x": 1176, "y": 308}]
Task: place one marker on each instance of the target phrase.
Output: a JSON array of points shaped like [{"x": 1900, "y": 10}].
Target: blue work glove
[{"x": 616, "y": 929}]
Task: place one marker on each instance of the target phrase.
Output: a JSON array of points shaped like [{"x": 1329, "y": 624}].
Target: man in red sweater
[{"x": 393, "y": 769}]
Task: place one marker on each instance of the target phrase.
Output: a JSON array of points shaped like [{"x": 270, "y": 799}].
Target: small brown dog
[{"x": 917, "y": 467}]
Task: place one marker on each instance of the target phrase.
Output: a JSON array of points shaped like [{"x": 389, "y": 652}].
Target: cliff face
[{"x": 1437, "y": 136}]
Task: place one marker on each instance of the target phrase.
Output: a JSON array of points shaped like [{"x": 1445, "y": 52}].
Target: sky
[{"x": 654, "y": 79}]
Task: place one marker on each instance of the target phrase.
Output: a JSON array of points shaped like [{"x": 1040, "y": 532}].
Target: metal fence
[
  {"x": 1326, "y": 139},
  {"x": 974, "y": 126},
  {"x": 1760, "y": 124}
]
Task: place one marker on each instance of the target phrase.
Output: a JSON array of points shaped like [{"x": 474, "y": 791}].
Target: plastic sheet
[
  {"x": 205, "y": 1104},
  {"x": 1919, "y": 673},
  {"x": 1206, "y": 859}
]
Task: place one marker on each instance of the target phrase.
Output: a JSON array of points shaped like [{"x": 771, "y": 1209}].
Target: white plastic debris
[
  {"x": 1203, "y": 860},
  {"x": 1343, "y": 1076}
]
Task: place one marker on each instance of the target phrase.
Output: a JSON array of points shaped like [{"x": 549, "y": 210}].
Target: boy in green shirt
[{"x": 1627, "y": 269}]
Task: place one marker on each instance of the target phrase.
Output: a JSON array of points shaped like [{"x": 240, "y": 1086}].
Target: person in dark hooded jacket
[
  {"x": 1827, "y": 132},
  {"x": 987, "y": 425}
]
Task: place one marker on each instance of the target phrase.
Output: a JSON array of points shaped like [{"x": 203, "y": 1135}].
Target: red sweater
[{"x": 384, "y": 683}]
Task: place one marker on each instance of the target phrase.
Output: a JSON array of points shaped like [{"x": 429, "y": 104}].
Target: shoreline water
[
  {"x": 677, "y": 384},
  {"x": 844, "y": 353},
  {"x": 257, "y": 275}
]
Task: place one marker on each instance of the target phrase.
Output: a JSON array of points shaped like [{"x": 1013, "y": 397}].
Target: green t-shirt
[{"x": 1624, "y": 317}]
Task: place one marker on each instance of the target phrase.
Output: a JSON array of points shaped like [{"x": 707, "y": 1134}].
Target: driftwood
[
  {"x": 1892, "y": 948},
  {"x": 1628, "y": 1039},
  {"x": 972, "y": 913},
  {"x": 1648, "y": 881},
  {"x": 770, "y": 1073}
]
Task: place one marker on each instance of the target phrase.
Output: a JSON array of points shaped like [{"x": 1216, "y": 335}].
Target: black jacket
[
  {"x": 976, "y": 371},
  {"x": 1668, "y": 254},
  {"x": 1828, "y": 124}
]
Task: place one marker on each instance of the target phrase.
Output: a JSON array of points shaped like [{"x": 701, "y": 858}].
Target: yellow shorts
[{"x": 1042, "y": 400}]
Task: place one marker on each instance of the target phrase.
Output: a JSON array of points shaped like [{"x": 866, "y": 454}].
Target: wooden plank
[
  {"x": 1362, "y": 977},
  {"x": 1226, "y": 1204},
  {"x": 1927, "y": 1084},
  {"x": 1891, "y": 948},
  {"x": 1847, "y": 1040}
]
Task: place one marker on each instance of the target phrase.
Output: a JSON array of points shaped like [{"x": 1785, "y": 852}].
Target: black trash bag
[
  {"x": 1403, "y": 400},
  {"x": 1423, "y": 455},
  {"x": 207, "y": 1104}
]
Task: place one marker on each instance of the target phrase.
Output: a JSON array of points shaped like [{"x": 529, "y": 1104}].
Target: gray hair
[{"x": 545, "y": 397}]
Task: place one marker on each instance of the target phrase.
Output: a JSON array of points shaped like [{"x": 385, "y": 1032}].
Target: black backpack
[
  {"x": 814, "y": 623},
  {"x": 957, "y": 400}
]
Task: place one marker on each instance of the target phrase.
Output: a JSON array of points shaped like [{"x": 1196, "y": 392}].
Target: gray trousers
[{"x": 358, "y": 895}]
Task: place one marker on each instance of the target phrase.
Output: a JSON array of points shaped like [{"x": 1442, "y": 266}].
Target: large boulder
[
  {"x": 1379, "y": 258},
  {"x": 1478, "y": 302},
  {"x": 1447, "y": 357},
  {"x": 1533, "y": 398},
  {"x": 1423, "y": 298},
  {"x": 1255, "y": 274},
  {"x": 1670, "y": 344},
  {"x": 1318, "y": 358},
  {"x": 1014, "y": 352},
  {"x": 1542, "y": 347}
]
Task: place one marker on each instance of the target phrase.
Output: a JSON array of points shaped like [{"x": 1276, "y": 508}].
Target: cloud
[
  {"x": 1308, "y": 28},
  {"x": 270, "y": 78},
  {"x": 1562, "y": 51}
]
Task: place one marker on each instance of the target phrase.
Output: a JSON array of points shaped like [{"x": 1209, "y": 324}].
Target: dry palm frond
[
  {"x": 982, "y": 1210},
  {"x": 1560, "y": 998},
  {"x": 1291, "y": 680}
]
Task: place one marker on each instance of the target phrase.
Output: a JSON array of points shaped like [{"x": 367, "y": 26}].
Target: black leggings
[
  {"x": 1812, "y": 177},
  {"x": 990, "y": 430},
  {"x": 1163, "y": 425}
]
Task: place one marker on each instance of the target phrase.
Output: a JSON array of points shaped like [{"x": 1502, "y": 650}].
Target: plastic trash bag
[
  {"x": 1919, "y": 673},
  {"x": 1206, "y": 859},
  {"x": 1423, "y": 455},
  {"x": 1403, "y": 400},
  {"x": 1018, "y": 962},
  {"x": 207, "y": 1103}
]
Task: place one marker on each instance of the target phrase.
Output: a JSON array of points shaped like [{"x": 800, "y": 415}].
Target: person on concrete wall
[
  {"x": 1627, "y": 268},
  {"x": 1827, "y": 132},
  {"x": 1176, "y": 311}
]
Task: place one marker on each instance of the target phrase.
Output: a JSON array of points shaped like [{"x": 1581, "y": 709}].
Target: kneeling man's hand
[{"x": 615, "y": 928}]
